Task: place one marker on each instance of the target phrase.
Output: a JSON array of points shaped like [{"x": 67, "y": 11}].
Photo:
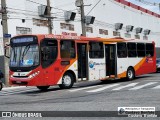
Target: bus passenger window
[
  {"x": 149, "y": 50},
  {"x": 67, "y": 49},
  {"x": 96, "y": 50},
  {"x": 132, "y": 50},
  {"x": 121, "y": 50},
  {"x": 141, "y": 49},
  {"x": 49, "y": 52}
]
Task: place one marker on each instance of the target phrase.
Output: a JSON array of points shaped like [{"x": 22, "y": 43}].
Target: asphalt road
[{"x": 86, "y": 96}]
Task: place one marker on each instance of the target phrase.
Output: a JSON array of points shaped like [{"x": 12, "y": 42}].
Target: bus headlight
[{"x": 34, "y": 74}]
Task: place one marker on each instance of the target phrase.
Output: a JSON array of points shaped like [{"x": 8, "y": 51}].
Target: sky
[{"x": 150, "y": 7}]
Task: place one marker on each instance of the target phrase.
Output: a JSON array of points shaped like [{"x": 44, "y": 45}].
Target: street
[{"x": 85, "y": 96}]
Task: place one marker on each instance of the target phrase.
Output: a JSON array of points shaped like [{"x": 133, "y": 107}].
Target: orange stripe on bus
[{"x": 136, "y": 67}]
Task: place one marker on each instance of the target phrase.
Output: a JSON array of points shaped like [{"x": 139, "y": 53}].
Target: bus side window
[
  {"x": 96, "y": 50},
  {"x": 141, "y": 49},
  {"x": 67, "y": 49},
  {"x": 121, "y": 50},
  {"x": 149, "y": 50},
  {"x": 49, "y": 52},
  {"x": 132, "y": 52}
]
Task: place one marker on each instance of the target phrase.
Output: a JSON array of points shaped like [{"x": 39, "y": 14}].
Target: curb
[{"x": 13, "y": 87}]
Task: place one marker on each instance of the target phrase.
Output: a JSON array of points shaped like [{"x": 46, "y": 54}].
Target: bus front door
[
  {"x": 110, "y": 50},
  {"x": 82, "y": 61}
]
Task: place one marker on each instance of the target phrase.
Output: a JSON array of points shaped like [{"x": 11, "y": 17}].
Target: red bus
[{"x": 46, "y": 60}]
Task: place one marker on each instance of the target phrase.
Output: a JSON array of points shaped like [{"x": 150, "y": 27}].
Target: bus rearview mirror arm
[{"x": 6, "y": 51}]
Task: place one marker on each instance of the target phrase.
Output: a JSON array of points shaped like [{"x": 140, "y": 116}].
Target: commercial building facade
[{"x": 113, "y": 18}]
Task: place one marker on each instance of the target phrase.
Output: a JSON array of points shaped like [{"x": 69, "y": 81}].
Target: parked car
[
  {"x": 158, "y": 64},
  {"x": 1, "y": 76},
  {"x": 1, "y": 85}
]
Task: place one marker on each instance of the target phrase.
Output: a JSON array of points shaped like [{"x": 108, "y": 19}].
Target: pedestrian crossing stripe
[
  {"x": 157, "y": 87},
  {"x": 142, "y": 86},
  {"x": 122, "y": 87},
  {"x": 103, "y": 88},
  {"x": 91, "y": 89},
  {"x": 84, "y": 88},
  {"x": 131, "y": 86}
]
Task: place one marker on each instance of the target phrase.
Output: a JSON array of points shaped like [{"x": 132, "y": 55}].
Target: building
[{"x": 113, "y": 18}]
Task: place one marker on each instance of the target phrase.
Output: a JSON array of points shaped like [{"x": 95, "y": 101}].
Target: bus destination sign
[{"x": 23, "y": 40}]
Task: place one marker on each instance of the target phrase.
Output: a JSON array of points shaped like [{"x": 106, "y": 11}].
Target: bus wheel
[
  {"x": 130, "y": 74},
  {"x": 67, "y": 81},
  {"x": 43, "y": 88}
]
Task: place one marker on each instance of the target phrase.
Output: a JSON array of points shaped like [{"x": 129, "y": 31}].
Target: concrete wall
[{"x": 107, "y": 13}]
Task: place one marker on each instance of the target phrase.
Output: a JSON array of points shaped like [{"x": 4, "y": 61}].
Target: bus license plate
[{"x": 18, "y": 81}]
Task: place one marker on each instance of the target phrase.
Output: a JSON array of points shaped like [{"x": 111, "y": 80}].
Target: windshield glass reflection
[{"x": 24, "y": 56}]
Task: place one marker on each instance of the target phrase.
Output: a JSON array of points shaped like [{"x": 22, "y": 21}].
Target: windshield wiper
[
  {"x": 25, "y": 51},
  {"x": 14, "y": 54}
]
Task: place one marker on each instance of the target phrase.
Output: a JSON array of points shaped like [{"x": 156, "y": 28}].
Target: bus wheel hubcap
[
  {"x": 130, "y": 74},
  {"x": 67, "y": 80}
]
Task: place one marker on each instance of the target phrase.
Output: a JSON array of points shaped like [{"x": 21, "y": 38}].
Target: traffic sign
[{"x": 7, "y": 35}]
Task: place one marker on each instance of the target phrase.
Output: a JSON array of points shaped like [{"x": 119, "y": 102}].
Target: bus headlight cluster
[{"x": 34, "y": 74}]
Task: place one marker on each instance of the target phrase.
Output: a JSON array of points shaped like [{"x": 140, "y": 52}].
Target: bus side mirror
[{"x": 7, "y": 50}]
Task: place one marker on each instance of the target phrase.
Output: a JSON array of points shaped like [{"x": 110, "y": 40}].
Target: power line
[
  {"x": 66, "y": 4},
  {"x": 29, "y": 12},
  {"x": 45, "y": 5},
  {"x": 21, "y": 9},
  {"x": 34, "y": 2},
  {"x": 148, "y": 3},
  {"x": 94, "y": 7}
]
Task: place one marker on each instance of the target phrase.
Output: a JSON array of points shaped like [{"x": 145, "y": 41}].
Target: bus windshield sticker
[{"x": 26, "y": 62}]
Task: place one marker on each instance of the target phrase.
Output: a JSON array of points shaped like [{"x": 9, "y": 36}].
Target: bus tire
[
  {"x": 130, "y": 73},
  {"x": 67, "y": 81},
  {"x": 43, "y": 88},
  {"x": 1, "y": 86}
]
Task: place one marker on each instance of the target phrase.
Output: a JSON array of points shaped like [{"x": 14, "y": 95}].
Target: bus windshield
[{"x": 24, "y": 56}]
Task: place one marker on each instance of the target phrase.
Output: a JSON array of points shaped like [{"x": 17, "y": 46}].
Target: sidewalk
[{"x": 11, "y": 87}]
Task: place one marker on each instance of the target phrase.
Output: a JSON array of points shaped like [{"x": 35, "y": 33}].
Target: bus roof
[{"x": 82, "y": 38}]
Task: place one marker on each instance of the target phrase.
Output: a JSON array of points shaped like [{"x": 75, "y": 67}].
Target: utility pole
[
  {"x": 83, "y": 19},
  {"x": 49, "y": 17},
  {"x": 80, "y": 3},
  {"x": 4, "y": 60}
]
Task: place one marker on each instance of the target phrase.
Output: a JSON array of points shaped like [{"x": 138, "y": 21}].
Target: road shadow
[
  {"x": 105, "y": 82},
  {"x": 36, "y": 92}
]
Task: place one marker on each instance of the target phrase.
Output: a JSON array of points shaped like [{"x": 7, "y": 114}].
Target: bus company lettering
[
  {"x": 149, "y": 60},
  {"x": 69, "y": 34},
  {"x": 92, "y": 64}
]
